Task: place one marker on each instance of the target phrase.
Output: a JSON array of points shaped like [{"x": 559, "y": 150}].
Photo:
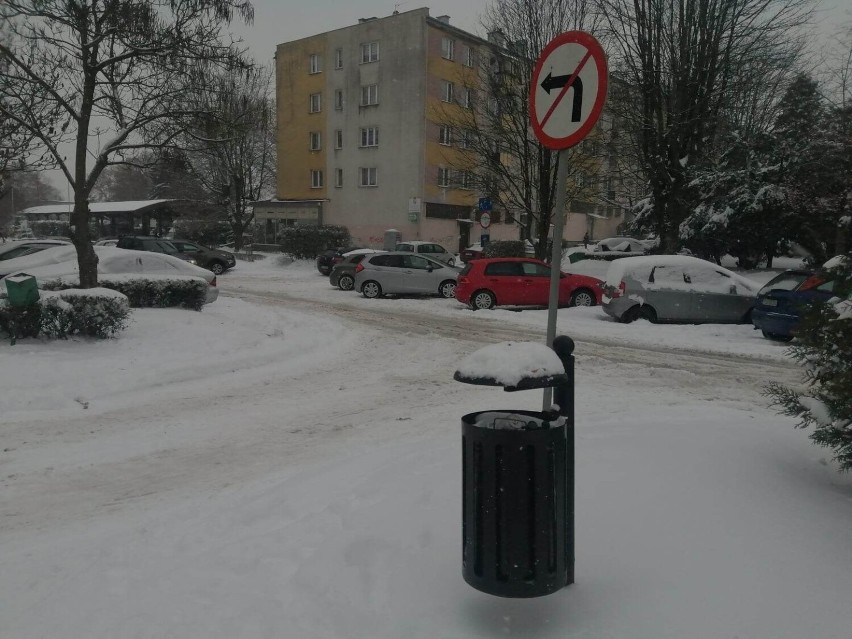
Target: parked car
[
  {"x": 18, "y": 248},
  {"x": 212, "y": 259},
  {"x": 107, "y": 242},
  {"x": 152, "y": 244},
  {"x": 472, "y": 252},
  {"x": 328, "y": 258},
  {"x": 428, "y": 249},
  {"x": 784, "y": 299},
  {"x": 49, "y": 255},
  {"x": 521, "y": 281},
  {"x": 112, "y": 261},
  {"x": 677, "y": 288},
  {"x": 402, "y": 272},
  {"x": 343, "y": 273},
  {"x": 623, "y": 245}
]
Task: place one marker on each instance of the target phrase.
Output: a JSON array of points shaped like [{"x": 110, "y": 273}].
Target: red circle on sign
[{"x": 599, "y": 57}]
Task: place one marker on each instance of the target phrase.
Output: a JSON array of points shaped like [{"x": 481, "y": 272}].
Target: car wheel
[
  {"x": 648, "y": 313},
  {"x": 346, "y": 282},
  {"x": 630, "y": 315},
  {"x": 371, "y": 289},
  {"x": 582, "y": 297},
  {"x": 482, "y": 300},
  {"x": 447, "y": 289},
  {"x": 217, "y": 267},
  {"x": 775, "y": 337}
]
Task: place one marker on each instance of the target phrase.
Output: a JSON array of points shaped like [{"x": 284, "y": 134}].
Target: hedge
[
  {"x": 307, "y": 242},
  {"x": 94, "y": 312},
  {"x": 151, "y": 291}
]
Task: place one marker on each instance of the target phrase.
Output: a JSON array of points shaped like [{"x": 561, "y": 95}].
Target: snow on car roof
[{"x": 632, "y": 265}]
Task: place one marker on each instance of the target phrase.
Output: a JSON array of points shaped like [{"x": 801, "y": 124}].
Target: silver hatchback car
[
  {"x": 677, "y": 288},
  {"x": 406, "y": 274}
]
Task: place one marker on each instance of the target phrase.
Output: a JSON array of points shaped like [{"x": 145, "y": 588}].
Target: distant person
[{"x": 586, "y": 240}]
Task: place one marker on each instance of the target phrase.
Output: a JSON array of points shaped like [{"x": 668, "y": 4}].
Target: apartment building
[{"x": 362, "y": 134}]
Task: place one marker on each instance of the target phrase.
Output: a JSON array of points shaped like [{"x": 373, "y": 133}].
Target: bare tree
[
  {"x": 493, "y": 147},
  {"x": 122, "y": 69},
  {"x": 683, "y": 61},
  {"x": 235, "y": 161}
]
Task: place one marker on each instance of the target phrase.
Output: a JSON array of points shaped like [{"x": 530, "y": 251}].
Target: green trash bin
[
  {"x": 576, "y": 256},
  {"x": 22, "y": 289}
]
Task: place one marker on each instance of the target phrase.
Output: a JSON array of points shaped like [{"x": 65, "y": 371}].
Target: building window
[
  {"x": 445, "y": 135},
  {"x": 338, "y": 139},
  {"x": 316, "y": 63},
  {"x": 370, "y": 136},
  {"x": 315, "y": 140},
  {"x": 316, "y": 102},
  {"x": 338, "y": 58},
  {"x": 447, "y": 46},
  {"x": 369, "y": 52},
  {"x": 446, "y": 91},
  {"x": 443, "y": 177},
  {"x": 467, "y": 98},
  {"x": 338, "y": 178},
  {"x": 338, "y": 99},
  {"x": 469, "y": 57},
  {"x": 370, "y": 95},
  {"x": 465, "y": 179},
  {"x": 465, "y": 139},
  {"x": 368, "y": 176},
  {"x": 316, "y": 179}
]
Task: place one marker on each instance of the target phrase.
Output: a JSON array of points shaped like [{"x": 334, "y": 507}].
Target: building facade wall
[
  {"x": 399, "y": 76},
  {"x": 294, "y": 85}
]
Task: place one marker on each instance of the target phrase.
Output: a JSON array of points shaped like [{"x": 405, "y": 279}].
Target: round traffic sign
[
  {"x": 485, "y": 220},
  {"x": 568, "y": 89}
]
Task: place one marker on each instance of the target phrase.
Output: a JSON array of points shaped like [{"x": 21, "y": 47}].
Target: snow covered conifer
[{"x": 824, "y": 348}]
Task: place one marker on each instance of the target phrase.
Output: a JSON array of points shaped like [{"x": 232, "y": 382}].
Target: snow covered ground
[{"x": 286, "y": 464}]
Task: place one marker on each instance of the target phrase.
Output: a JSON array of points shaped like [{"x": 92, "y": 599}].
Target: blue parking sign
[
  {"x": 485, "y": 204},
  {"x": 484, "y": 239}
]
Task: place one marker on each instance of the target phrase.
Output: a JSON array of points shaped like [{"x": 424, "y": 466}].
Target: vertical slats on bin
[{"x": 514, "y": 506}]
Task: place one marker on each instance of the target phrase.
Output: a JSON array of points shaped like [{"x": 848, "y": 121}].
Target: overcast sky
[{"x": 278, "y": 21}]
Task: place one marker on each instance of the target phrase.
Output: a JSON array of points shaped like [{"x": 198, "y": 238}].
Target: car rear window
[
  {"x": 466, "y": 269},
  {"x": 785, "y": 281},
  {"x": 503, "y": 268}
]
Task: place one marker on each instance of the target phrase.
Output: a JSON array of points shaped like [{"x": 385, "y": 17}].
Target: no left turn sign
[{"x": 568, "y": 89}]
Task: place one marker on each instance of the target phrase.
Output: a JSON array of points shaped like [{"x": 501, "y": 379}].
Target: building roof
[{"x": 98, "y": 207}]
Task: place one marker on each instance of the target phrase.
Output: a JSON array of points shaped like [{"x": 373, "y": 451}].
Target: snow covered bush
[
  {"x": 95, "y": 312},
  {"x": 306, "y": 242},
  {"x": 824, "y": 348},
  {"x": 504, "y": 248},
  {"x": 148, "y": 292}
]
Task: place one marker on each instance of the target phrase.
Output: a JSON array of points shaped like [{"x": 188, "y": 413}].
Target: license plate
[{"x": 770, "y": 302}]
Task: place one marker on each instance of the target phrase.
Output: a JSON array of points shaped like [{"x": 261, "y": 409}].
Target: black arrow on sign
[{"x": 559, "y": 81}]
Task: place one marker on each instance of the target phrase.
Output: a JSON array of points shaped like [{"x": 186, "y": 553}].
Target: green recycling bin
[
  {"x": 576, "y": 256},
  {"x": 22, "y": 289}
]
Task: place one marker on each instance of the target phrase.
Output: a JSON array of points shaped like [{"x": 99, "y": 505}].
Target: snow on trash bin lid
[{"x": 508, "y": 363}]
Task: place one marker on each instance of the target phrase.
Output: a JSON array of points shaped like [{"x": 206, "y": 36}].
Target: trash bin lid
[{"x": 513, "y": 365}]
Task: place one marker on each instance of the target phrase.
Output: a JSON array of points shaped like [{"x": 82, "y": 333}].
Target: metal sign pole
[{"x": 556, "y": 259}]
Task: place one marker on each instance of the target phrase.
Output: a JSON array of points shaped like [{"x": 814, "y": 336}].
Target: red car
[{"x": 521, "y": 281}]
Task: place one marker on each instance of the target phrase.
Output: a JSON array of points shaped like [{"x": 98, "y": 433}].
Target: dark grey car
[
  {"x": 343, "y": 273},
  {"x": 677, "y": 288},
  {"x": 404, "y": 273}
]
